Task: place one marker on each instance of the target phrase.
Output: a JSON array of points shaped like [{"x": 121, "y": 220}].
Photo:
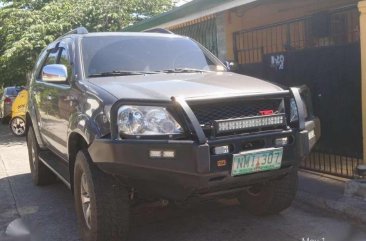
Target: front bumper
[{"x": 194, "y": 170}]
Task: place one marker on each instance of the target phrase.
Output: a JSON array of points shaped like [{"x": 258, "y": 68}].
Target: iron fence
[
  {"x": 319, "y": 30},
  {"x": 331, "y": 163},
  {"x": 321, "y": 51}
]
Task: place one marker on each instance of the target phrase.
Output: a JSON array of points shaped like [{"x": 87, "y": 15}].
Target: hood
[{"x": 186, "y": 85}]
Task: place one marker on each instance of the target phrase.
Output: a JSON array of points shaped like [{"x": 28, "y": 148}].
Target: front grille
[{"x": 207, "y": 113}]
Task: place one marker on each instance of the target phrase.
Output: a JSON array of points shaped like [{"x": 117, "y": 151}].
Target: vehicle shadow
[{"x": 7, "y": 138}]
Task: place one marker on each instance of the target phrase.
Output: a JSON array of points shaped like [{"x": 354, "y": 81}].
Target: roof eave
[{"x": 193, "y": 8}]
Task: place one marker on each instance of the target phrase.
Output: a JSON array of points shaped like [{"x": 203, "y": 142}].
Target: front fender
[{"x": 84, "y": 126}]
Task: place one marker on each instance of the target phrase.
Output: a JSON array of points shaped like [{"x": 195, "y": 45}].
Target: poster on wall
[{"x": 277, "y": 62}]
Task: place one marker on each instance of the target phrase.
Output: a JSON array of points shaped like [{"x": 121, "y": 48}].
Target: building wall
[{"x": 261, "y": 14}]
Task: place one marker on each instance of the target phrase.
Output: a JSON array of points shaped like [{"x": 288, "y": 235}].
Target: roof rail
[
  {"x": 79, "y": 30},
  {"x": 158, "y": 30}
]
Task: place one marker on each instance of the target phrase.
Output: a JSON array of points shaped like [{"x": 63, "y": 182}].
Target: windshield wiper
[
  {"x": 182, "y": 70},
  {"x": 121, "y": 73}
]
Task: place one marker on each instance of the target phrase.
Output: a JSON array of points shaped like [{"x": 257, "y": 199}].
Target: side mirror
[
  {"x": 231, "y": 65},
  {"x": 54, "y": 73}
]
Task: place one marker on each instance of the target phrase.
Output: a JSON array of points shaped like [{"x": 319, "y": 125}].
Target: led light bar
[{"x": 249, "y": 123}]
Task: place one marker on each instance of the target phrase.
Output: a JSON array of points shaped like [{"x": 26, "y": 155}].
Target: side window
[
  {"x": 38, "y": 66},
  {"x": 52, "y": 57},
  {"x": 65, "y": 58}
]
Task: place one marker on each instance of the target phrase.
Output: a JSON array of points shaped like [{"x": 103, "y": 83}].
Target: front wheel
[
  {"x": 271, "y": 197},
  {"x": 17, "y": 126},
  {"x": 101, "y": 201}
]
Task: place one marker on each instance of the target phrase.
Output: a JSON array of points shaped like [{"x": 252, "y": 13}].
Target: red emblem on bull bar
[{"x": 266, "y": 112}]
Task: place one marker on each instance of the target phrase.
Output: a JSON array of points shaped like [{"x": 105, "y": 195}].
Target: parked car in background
[
  {"x": 6, "y": 100},
  {"x": 17, "y": 122}
]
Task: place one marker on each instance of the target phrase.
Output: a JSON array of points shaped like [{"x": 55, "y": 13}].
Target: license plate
[{"x": 256, "y": 161}]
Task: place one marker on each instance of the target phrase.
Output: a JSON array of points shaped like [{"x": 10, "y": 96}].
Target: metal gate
[
  {"x": 323, "y": 52},
  {"x": 202, "y": 30}
]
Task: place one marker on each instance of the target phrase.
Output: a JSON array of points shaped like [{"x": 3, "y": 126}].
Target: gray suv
[{"x": 122, "y": 117}]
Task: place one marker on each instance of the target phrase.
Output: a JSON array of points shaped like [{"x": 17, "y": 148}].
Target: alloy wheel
[
  {"x": 85, "y": 200},
  {"x": 18, "y": 126}
]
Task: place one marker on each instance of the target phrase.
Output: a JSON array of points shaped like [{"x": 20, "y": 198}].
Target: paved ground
[{"x": 49, "y": 213}]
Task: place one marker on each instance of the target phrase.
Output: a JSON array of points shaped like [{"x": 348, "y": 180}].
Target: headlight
[
  {"x": 294, "y": 112},
  {"x": 146, "y": 120}
]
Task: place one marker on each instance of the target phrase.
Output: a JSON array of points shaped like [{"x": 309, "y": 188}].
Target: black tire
[
  {"x": 106, "y": 200},
  {"x": 17, "y": 126},
  {"x": 41, "y": 174},
  {"x": 272, "y": 197}
]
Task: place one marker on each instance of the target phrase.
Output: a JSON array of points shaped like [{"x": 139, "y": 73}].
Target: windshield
[{"x": 124, "y": 55}]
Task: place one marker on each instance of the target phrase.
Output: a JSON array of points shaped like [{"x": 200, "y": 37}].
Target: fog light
[
  {"x": 218, "y": 150},
  {"x": 168, "y": 154},
  {"x": 161, "y": 154},
  {"x": 155, "y": 154},
  {"x": 281, "y": 141}
]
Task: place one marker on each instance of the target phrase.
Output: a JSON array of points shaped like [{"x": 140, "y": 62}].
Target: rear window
[{"x": 12, "y": 91}]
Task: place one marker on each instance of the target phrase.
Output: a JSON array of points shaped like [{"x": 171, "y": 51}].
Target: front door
[{"x": 58, "y": 103}]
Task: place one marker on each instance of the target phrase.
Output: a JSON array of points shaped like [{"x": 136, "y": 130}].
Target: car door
[
  {"x": 60, "y": 104},
  {"x": 39, "y": 90}
]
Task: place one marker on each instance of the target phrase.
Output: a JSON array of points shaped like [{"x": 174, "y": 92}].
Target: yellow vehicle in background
[{"x": 18, "y": 110}]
